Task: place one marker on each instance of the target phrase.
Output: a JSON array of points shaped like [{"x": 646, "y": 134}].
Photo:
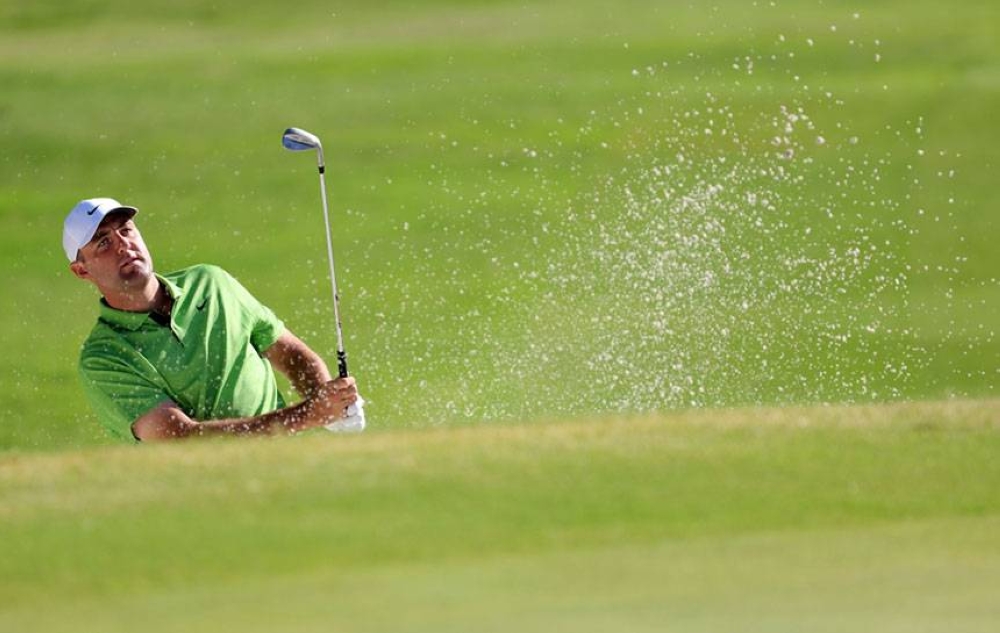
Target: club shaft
[{"x": 341, "y": 354}]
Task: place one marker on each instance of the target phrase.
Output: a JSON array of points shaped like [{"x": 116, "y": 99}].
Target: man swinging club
[{"x": 188, "y": 353}]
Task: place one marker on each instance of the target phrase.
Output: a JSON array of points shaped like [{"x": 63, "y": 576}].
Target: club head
[{"x": 298, "y": 140}]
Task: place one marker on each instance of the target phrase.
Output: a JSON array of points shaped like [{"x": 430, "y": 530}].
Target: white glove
[{"x": 355, "y": 420}]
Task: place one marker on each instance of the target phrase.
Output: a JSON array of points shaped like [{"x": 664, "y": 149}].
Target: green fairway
[
  {"x": 839, "y": 518},
  {"x": 669, "y": 317},
  {"x": 590, "y": 200}
]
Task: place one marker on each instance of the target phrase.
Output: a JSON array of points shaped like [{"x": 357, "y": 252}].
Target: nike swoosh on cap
[{"x": 91, "y": 212}]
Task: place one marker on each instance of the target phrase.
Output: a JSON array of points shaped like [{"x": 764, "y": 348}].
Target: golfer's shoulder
[
  {"x": 202, "y": 278},
  {"x": 198, "y": 271},
  {"x": 209, "y": 280}
]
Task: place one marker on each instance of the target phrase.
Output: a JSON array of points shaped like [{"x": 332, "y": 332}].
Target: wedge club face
[{"x": 298, "y": 140}]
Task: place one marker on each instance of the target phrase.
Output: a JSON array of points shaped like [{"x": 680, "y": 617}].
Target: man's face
[{"x": 116, "y": 259}]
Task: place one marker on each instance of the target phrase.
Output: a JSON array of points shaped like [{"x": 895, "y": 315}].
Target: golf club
[{"x": 297, "y": 140}]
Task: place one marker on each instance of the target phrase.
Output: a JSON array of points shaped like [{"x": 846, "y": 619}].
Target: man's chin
[{"x": 136, "y": 273}]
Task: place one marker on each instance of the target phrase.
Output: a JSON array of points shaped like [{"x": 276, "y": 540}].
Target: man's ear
[{"x": 79, "y": 269}]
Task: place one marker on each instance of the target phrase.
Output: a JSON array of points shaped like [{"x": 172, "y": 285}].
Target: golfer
[{"x": 189, "y": 353}]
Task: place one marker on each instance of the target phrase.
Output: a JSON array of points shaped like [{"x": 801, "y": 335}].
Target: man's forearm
[
  {"x": 328, "y": 404},
  {"x": 285, "y": 421},
  {"x": 304, "y": 368}
]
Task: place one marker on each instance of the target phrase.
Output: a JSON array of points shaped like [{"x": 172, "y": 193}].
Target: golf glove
[{"x": 354, "y": 422}]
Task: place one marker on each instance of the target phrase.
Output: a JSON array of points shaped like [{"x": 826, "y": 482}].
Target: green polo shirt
[{"x": 208, "y": 359}]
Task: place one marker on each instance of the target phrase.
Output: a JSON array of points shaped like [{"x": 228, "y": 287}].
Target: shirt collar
[{"x": 134, "y": 320}]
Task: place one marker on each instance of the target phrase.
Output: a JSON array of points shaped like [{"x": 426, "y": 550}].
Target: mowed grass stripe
[
  {"x": 115, "y": 521},
  {"x": 926, "y": 575}
]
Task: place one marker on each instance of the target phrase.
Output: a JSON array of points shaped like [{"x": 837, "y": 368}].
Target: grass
[
  {"x": 768, "y": 517},
  {"x": 595, "y": 398},
  {"x": 430, "y": 114}
]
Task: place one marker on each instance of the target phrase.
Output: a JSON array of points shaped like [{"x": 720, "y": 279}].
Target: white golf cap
[{"x": 83, "y": 220}]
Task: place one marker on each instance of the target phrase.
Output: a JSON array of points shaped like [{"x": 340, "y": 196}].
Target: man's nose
[{"x": 123, "y": 242}]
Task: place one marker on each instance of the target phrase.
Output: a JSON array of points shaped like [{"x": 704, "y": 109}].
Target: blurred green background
[
  {"x": 627, "y": 286},
  {"x": 495, "y": 176}
]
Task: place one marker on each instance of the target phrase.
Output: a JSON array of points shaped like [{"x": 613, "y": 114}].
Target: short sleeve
[{"x": 266, "y": 327}]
